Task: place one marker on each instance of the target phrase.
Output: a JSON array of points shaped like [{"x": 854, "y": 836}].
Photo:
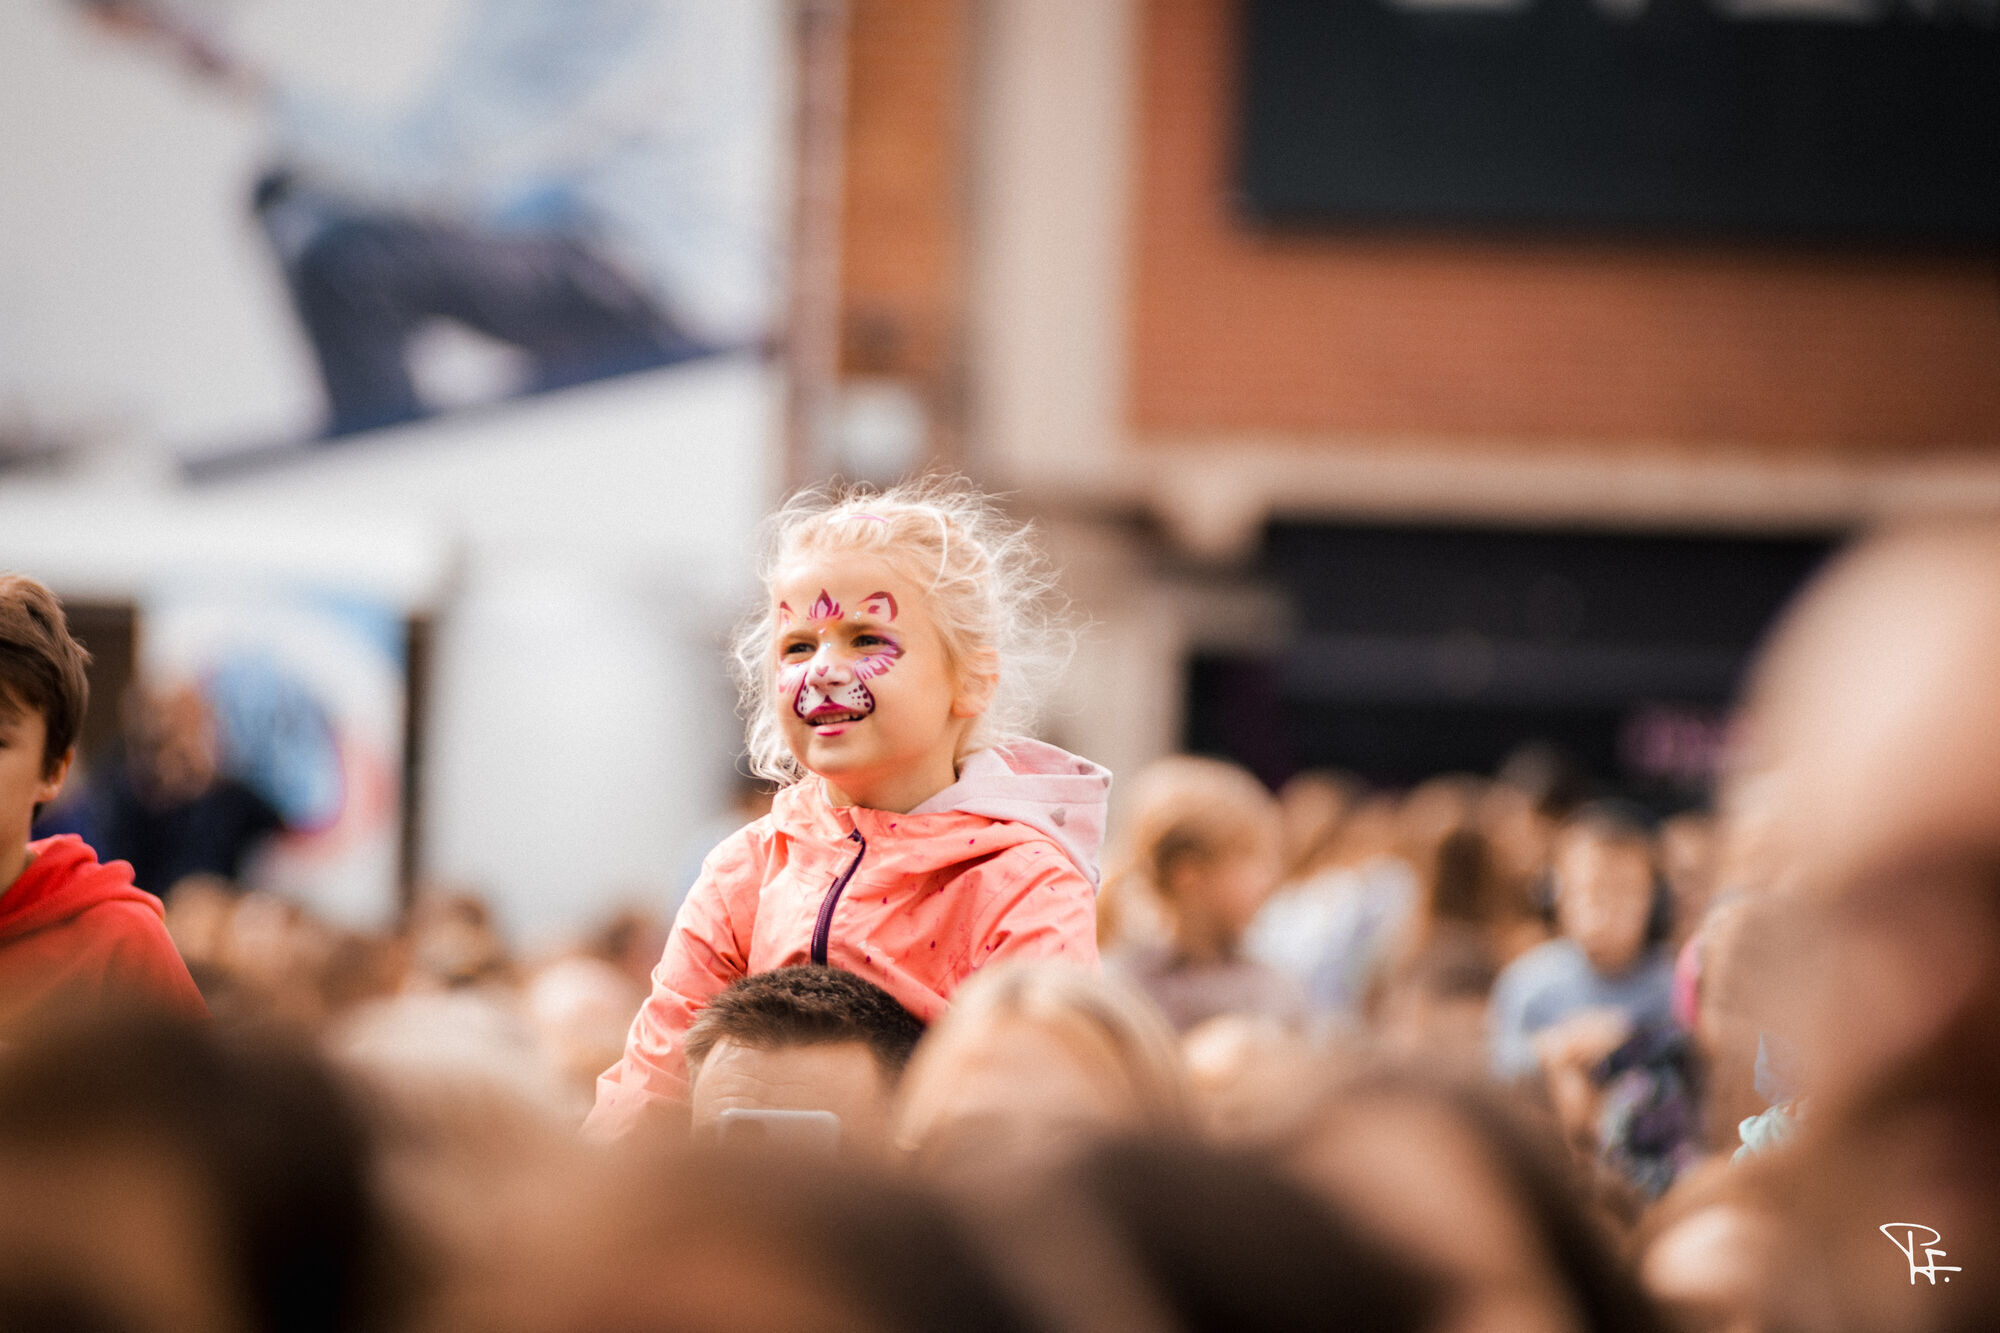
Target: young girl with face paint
[{"x": 916, "y": 838}]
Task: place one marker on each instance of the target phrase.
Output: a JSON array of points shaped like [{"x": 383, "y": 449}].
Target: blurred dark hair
[
  {"x": 1227, "y": 1243},
  {"x": 42, "y": 668},
  {"x": 805, "y": 1006},
  {"x": 1616, "y": 820},
  {"x": 283, "y": 1153},
  {"x": 879, "y": 1250},
  {"x": 1553, "y": 780},
  {"x": 1542, "y": 1179},
  {"x": 1544, "y": 1183},
  {"x": 1461, "y": 878}
]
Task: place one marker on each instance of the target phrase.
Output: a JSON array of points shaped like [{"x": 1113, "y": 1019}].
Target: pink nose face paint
[{"x": 823, "y": 698}]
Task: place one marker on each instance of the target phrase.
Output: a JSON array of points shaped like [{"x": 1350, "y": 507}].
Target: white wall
[
  {"x": 582, "y": 727},
  {"x": 135, "y": 291},
  {"x": 582, "y": 552}
]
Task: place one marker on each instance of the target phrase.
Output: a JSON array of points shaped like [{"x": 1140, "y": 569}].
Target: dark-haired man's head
[
  {"x": 43, "y": 694},
  {"x": 801, "y": 1039}
]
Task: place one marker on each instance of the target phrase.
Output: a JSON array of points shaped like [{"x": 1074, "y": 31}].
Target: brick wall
[
  {"x": 903, "y": 216},
  {"x": 1790, "y": 353}
]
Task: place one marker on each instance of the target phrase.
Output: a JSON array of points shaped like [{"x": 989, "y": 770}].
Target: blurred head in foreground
[
  {"x": 1868, "y": 775},
  {"x": 1705, "y": 1253},
  {"x": 157, "y": 1176},
  {"x": 1454, "y": 1180},
  {"x": 1031, "y": 1062},
  {"x": 1225, "y": 1242},
  {"x": 668, "y": 1236},
  {"x": 813, "y": 1039}
]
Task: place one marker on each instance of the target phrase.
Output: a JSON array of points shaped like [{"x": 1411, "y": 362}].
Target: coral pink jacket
[{"x": 1002, "y": 864}]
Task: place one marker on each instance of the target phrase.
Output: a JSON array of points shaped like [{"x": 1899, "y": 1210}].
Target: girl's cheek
[{"x": 790, "y": 678}]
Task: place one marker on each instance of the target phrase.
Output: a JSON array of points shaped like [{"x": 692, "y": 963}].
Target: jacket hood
[
  {"x": 1037, "y": 786},
  {"x": 63, "y": 881}
]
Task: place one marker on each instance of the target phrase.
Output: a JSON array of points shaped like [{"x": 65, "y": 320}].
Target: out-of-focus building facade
[{"x": 1042, "y": 241}]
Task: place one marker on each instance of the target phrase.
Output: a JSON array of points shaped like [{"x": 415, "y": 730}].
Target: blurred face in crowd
[
  {"x": 843, "y": 1077},
  {"x": 171, "y": 735},
  {"x": 24, "y": 783},
  {"x": 1687, "y": 856},
  {"x": 1870, "y": 755},
  {"x": 1604, "y": 896},
  {"x": 1214, "y": 896},
  {"x": 868, "y": 698}
]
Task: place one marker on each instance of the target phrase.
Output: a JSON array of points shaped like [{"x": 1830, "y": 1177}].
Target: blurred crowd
[{"x": 1489, "y": 1053}]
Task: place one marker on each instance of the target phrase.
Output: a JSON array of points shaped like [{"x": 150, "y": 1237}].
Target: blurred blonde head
[
  {"x": 1189, "y": 821},
  {"x": 990, "y": 593},
  {"x": 1313, "y": 807},
  {"x": 1033, "y": 1057},
  {"x": 1871, "y": 722},
  {"x": 1254, "y": 1076}
]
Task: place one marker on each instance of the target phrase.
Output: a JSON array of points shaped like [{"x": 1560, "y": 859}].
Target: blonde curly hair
[{"x": 992, "y": 595}]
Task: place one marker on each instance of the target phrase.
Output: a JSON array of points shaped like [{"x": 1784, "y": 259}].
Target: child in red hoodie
[
  {"x": 915, "y": 840},
  {"x": 74, "y": 934}
]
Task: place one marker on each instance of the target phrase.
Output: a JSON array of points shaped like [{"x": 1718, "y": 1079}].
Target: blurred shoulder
[{"x": 1552, "y": 962}]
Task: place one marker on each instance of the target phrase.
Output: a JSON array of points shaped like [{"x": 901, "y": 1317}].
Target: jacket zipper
[{"x": 824, "y": 926}]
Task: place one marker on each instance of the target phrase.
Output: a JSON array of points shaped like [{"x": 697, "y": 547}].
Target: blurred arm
[{"x": 708, "y": 949}]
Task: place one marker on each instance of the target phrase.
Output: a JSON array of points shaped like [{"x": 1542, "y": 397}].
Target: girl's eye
[
  {"x": 869, "y": 641},
  {"x": 795, "y": 649}
]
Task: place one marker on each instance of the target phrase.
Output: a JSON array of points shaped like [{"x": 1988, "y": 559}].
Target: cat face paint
[
  {"x": 868, "y": 698},
  {"x": 827, "y": 661}
]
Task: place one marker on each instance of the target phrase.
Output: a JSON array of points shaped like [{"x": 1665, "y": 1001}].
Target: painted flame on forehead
[{"x": 881, "y": 605}]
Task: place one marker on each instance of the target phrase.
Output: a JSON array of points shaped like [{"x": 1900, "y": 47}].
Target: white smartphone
[{"x": 798, "y": 1131}]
